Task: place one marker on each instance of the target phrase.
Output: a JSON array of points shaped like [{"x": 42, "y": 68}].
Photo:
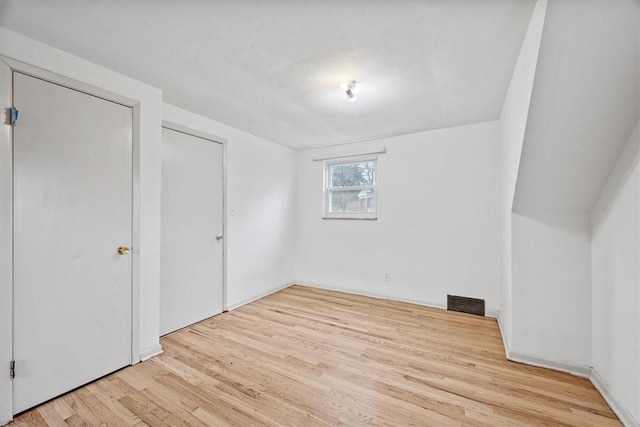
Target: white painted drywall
[
  {"x": 261, "y": 210},
  {"x": 29, "y": 51},
  {"x": 551, "y": 291},
  {"x": 513, "y": 121},
  {"x": 616, "y": 280},
  {"x": 438, "y": 226},
  {"x": 584, "y": 105}
]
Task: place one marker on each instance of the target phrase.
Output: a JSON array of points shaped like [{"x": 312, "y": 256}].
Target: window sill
[{"x": 351, "y": 218}]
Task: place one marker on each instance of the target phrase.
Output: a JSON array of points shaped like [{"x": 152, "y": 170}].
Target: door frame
[
  {"x": 8, "y": 66},
  {"x": 222, "y": 141}
]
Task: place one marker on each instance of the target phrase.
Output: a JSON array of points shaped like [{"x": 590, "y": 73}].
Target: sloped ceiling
[
  {"x": 273, "y": 68},
  {"x": 584, "y": 106}
]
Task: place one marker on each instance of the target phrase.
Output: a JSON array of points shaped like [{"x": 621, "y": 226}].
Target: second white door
[{"x": 191, "y": 287}]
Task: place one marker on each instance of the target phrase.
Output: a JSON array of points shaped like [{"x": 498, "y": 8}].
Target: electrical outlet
[{"x": 387, "y": 276}]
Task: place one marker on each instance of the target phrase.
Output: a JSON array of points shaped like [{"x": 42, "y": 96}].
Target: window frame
[{"x": 327, "y": 189}]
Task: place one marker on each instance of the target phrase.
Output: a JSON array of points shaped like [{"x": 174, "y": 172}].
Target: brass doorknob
[{"x": 123, "y": 250}]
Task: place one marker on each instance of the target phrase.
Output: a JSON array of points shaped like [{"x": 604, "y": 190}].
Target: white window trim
[{"x": 326, "y": 192}]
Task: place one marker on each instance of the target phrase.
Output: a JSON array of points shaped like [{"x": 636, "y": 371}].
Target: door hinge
[
  {"x": 13, "y": 116},
  {"x": 12, "y": 369}
]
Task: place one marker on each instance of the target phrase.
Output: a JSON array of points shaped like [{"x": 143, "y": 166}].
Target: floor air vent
[{"x": 465, "y": 305}]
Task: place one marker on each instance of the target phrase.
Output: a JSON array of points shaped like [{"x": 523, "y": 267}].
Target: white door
[
  {"x": 192, "y": 215},
  {"x": 72, "y": 210}
]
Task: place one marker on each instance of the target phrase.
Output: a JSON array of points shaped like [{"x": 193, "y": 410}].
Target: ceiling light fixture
[{"x": 348, "y": 87}]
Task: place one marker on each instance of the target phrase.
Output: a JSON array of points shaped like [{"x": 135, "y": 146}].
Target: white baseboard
[
  {"x": 505, "y": 339},
  {"x": 488, "y": 312},
  {"x": 257, "y": 297},
  {"x": 582, "y": 371},
  {"x": 623, "y": 413},
  {"x": 148, "y": 353},
  {"x": 370, "y": 294},
  {"x": 491, "y": 312},
  {"x": 540, "y": 361}
]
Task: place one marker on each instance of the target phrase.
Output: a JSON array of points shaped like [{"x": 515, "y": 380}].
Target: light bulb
[{"x": 348, "y": 87}]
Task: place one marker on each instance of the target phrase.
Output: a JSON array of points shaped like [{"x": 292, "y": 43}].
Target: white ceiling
[{"x": 273, "y": 68}]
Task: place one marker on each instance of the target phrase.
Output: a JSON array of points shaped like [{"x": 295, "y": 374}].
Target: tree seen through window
[{"x": 352, "y": 188}]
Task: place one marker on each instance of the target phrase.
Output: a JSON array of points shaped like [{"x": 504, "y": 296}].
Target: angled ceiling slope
[
  {"x": 584, "y": 106},
  {"x": 274, "y": 68}
]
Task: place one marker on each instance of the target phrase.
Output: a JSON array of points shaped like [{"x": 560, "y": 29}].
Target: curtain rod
[{"x": 319, "y": 159}]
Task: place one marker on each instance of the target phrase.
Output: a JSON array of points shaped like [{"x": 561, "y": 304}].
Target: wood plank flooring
[{"x": 309, "y": 357}]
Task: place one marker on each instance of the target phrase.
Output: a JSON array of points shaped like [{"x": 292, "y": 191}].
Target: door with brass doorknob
[{"x": 72, "y": 180}]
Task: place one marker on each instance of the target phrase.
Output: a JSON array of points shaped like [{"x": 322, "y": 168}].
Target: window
[{"x": 350, "y": 188}]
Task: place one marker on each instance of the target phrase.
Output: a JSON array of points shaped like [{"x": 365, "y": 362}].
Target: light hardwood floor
[{"x": 309, "y": 357}]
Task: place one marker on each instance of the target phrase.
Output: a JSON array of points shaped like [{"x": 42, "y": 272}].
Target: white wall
[
  {"x": 616, "y": 280},
  {"x": 260, "y": 193},
  {"x": 513, "y": 121},
  {"x": 438, "y": 226},
  {"x": 582, "y": 110},
  {"x": 584, "y": 105},
  {"x": 551, "y": 294},
  {"x": 261, "y": 212},
  {"x": 147, "y": 248}
]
